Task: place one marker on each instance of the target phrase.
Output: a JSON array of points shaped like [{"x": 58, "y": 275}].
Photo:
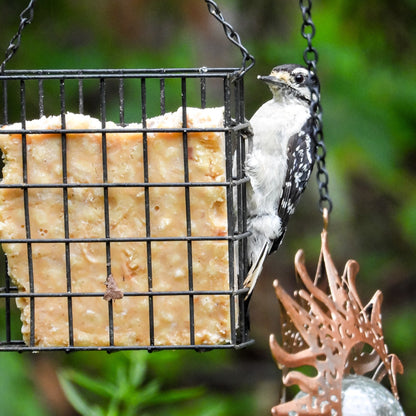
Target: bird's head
[{"x": 290, "y": 81}]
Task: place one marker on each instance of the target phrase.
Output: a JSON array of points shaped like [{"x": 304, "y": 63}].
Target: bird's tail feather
[{"x": 256, "y": 268}]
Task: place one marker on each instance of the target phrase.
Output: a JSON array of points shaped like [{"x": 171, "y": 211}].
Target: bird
[{"x": 279, "y": 161}]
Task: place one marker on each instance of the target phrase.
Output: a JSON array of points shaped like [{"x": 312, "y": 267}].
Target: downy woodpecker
[{"x": 279, "y": 162}]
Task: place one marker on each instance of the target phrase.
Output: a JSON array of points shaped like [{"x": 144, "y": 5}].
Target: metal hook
[
  {"x": 325, "y": 216},
  {"x": 26, "y": 18},
  {"x": 232, "y": 36}
]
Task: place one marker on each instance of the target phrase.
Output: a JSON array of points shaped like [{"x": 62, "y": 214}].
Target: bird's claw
[{"x": 247, "y": 132}]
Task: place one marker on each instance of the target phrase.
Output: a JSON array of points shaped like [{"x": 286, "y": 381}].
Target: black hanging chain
[
  {"x": 232, "y": 36},
  {"x": 310, "y": 57},
  {"x": 26, "y": 18}
]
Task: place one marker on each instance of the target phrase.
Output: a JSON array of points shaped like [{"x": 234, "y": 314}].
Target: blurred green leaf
[
  {"x": 18, "y": 395},
  {"x": 407, "y": 218},
  {"x": 81, "y": 379},
  {"x": 76, "y": 399},
  {"x": 125, "y": 389},
  {"x": 400, "y": 327}
]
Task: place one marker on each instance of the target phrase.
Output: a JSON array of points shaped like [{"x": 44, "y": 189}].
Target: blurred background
[{"x": 368, "y": 78}]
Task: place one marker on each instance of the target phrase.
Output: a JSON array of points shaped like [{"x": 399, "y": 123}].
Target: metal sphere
[{"x": 362, "y": 396}]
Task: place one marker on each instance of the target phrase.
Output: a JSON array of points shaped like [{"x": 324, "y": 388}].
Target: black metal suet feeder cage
[{"x": 124, "y": 94}]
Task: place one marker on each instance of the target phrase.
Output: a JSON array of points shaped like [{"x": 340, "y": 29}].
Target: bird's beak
[{"x": 269, "y": 79}]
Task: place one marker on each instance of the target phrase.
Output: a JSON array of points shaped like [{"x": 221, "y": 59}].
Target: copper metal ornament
[{"x": 331, "y": 331}]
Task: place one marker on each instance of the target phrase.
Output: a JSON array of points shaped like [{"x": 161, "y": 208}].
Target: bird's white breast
[{"x": 273, "y": 124}]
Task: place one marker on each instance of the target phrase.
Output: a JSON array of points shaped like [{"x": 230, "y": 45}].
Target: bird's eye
[{"x": 299, "y": 78}]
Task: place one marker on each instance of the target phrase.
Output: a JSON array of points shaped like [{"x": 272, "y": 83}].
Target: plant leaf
[
  {"x": 76, "y": 399},
  {"x": 101, "y": 387}
]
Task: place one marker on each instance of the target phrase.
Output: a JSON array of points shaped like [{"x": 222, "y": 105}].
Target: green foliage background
[{"x": 368, "y": 80}]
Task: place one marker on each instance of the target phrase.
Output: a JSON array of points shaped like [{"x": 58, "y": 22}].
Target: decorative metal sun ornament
[{"x": 331, "y": 331}]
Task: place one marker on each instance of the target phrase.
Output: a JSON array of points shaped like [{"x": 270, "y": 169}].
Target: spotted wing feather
[{"x": 300, "y": 160}]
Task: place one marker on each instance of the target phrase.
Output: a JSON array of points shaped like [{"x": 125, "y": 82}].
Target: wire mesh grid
[
  {"x": 124, "y": 96},
  {"x": 15, "y": 82}
]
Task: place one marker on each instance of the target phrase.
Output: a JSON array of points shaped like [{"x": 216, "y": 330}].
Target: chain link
[
  {"x": 232, "y": 36},
  {"x": 310, "y": 57},
  {"x": 26, "y": 18}
]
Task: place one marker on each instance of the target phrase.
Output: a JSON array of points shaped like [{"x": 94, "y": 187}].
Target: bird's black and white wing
[{"x": 300, "y": 161}]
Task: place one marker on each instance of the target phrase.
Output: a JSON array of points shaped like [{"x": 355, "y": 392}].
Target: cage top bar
[{"x": 119, "y": 73}]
